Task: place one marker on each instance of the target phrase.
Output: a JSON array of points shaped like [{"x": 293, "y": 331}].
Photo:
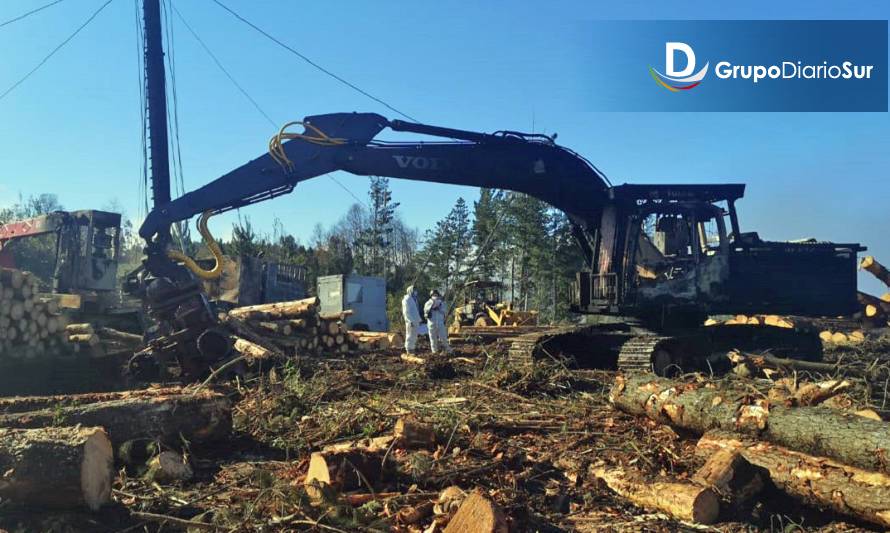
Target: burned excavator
[{"x": 659, "y": 258}]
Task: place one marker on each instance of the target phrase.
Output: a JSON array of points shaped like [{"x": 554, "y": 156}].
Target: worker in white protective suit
[
  {"x": 411, "y": 313},
  {"x": 434, "y": 310}
]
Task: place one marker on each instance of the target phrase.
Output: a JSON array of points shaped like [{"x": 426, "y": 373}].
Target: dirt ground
[{"x": 525, "y": 437}]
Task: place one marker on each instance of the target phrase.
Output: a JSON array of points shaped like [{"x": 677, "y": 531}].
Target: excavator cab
[{"x": 675, "y": 253}]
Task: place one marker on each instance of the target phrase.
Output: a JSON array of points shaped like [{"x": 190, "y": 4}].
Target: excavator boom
[{"x": 532, "y": 164}]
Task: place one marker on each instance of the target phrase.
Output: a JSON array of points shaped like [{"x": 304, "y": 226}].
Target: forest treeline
[{"x": 505, "y": 236}]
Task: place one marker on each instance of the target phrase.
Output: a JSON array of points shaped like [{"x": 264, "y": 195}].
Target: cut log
[
  {"x": 372, "y": 443},
  {"x": 769, "y": 361},
  {"x": 707, "y": 405},
  {"x": 331, "y": 328},
  {"x": 336, "y": 316},
  {"x": 684, "y": 501},
  {"x": 344, "y": 470},
  {"x": 277, "y": 311},
  {"x": 16, "y": 310},
  {"x": 281, "y": 327},
  {"x": 878, "y": 270},
  {"x": 790, "y": 391},
  {"x": 204, "y": 416},
  {"x": 408, "y": 358},
  {"x": 20, "y": 404},
  {"x": 478, "y": 514},
  {"x": 59, "y": 466},
  {"x": 11, "y": 278},
  {"x": 731, "y": 476},
  {"x": 411, "y": 433},
  {"x": 120, "y": 336},
  {"x": 251, "y": 351},
  {"x": 169, "y": 467},
  {"x": 874, "y": 306},
  {"x": 84, "y": 339},
  {"x": 813, "y": 480},
  {"x": 80, "y": 329},
  {"x": 243, "y": 330}
]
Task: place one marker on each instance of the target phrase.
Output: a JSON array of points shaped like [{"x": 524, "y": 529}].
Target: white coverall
[
  {"x": 434, "y": 309},
  {"x": 412, "y": 319}
]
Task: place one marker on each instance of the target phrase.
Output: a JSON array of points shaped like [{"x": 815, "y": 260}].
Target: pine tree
[
  {"x": 488, "y": 237},
  {"x": 448, "y": 246},
  {"x": 377, "y": 236},
  {"x": 245, "y": 241}
]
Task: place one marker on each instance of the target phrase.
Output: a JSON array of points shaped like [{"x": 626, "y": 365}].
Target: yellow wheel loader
[{"x": 484, "y": 306}]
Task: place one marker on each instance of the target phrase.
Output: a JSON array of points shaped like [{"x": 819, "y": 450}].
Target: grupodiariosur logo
[{"x": 674, "y": 80}]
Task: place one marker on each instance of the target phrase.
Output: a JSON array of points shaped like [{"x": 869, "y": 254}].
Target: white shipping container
[{"x": 365, "y": 296}]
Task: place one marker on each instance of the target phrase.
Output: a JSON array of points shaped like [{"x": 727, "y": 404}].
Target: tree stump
[
  {"x": 56, "y": 466},
  {"x": 477, "y": 514}
]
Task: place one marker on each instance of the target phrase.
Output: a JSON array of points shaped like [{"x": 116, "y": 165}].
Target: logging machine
[
  {"x": 87, "y": 252},
  {"x": 658, "y": 258}
]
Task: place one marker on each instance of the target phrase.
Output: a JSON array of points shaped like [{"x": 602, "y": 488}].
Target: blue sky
[{"x": 74, "y": 127}]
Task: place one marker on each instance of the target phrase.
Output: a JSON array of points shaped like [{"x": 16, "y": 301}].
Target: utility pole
[{"x": 156, "y": 96}]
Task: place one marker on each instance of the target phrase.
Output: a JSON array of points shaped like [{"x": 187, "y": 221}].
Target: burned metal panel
[
  {"x": 100, "y": 249},
  {"x": 283, "y": 282},
  {"x": 815, "y": 279},
  {"x": 250, "y": 283}
]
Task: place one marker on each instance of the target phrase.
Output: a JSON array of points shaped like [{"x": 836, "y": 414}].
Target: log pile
[
  {"x": 820, "y": 455},
  {"x": 876, "y": 310},
  {"x": 297, "y": 328},
  {"x": 831, "y": 331},
  {"x": 60, "y": 450},
  {"x": 30, "y": 326}
]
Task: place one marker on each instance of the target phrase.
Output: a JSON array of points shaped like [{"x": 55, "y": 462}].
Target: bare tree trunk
[
  {"x": 814, "y": 480},
  {"x": 685, "y": 501},
  {"x": 703, "y": 406},
  {"x": 198, "y": 417}
]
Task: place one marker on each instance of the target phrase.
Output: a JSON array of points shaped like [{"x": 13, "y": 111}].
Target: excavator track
[
  {"x": 639, "y": 353},
  {"x": 691, "y": 350},
  {"x": 529, "y": 347}
]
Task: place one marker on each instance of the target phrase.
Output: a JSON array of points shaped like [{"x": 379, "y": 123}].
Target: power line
[
  {"x": 140, "y": 56},
  {"x": 29, "y": 13},
  {"x": 222, "y": 68},
  {"x": 314, "y": 64},
  {"x": 243, "y": 91},
  {"x": 54, "y": 50}
]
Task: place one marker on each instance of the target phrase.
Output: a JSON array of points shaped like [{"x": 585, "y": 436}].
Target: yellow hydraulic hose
[
  {"x": 276, "y": 150},
  {"x": 211, "y": 244}
]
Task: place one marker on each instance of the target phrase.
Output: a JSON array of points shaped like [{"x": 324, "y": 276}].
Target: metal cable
[
  {"x": 29, "y": 13},
  {"x": 223, "y": 69},
  {"x": 247, "y": 95},
  {"x": 313, "y": 63},
  {"x": 54, "y": 50},
  {"x": 140, "y": 55}
]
